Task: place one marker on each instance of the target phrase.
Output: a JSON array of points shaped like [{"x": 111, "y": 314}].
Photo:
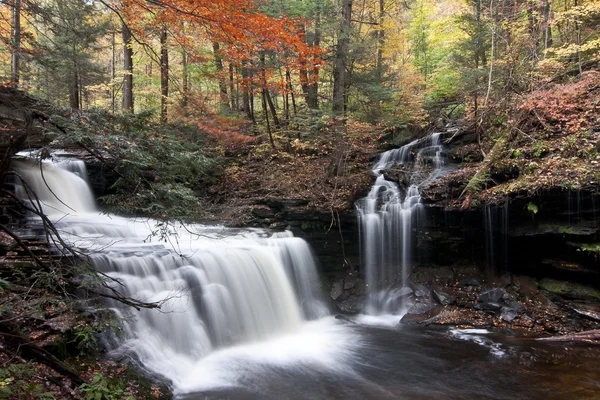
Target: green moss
[{"x": 569, "y": 289}]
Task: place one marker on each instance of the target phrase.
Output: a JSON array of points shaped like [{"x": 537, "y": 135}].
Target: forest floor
[{"x": 327, "y": 172}]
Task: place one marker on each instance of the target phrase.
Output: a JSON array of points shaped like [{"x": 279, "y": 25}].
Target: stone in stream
[
  {"x": 350, "y": 282},
  {"x": 337, "y": 289},
  {"x": 352, "y": 305}
]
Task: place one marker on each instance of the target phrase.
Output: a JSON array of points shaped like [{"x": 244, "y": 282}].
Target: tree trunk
[
  {"x": 185, "y": 94},
  {"x": 304, "y": 80},
  {"x": 265, "y": 91},
  {"x": 113, "y": 68},
  {"x": 380, "y": 40},
  {"x": 288, "y": 77},
  {"x": 223, "y": 99},
  {"x": 246, "y": 92},
  {"x": 232, "y": 91},
  {"x": 264, "y": 104},
  {"x": 128, "y": 70},
  {"x": 74, "y": 100},
  {"x": 339, "y": 78},
  {"x": 16, "y": 45},
  {"x": 313, "y": 88},
  {"x": 164, "y": 76}
]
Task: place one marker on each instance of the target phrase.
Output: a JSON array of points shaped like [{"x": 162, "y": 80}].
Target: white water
[
  {"x": 388, "y": 216},
  {"x": 225, "y": 294}
]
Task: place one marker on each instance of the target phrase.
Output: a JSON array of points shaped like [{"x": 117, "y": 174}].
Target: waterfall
[
  {"x": 58, "y": 191},
  {"x": 218, "y": 287},
  {"x": 387, "y": 218}
]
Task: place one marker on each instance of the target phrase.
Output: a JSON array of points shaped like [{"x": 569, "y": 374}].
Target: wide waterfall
[
  {"x": 219, "y": 287},
  {"x": 388, "y": 216}
]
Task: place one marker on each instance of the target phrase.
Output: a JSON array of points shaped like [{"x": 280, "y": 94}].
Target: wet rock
[
  {"x": 493, "y": 295},
  {"x": 488, "y": 306},
  {"x": 420, "y": 290},
  {"x": 262, "y": 212},
  {"x": 526, "y": 286},
  {"x": 590, "y": 311},
  {"x": 443, "y": 297},
  {"x": 336, "y": 289},
  {"x": 501, "y": 281},
  {"x": 444, "y": 273},
  {"x": 360, "y": 287},
  {"x": 543, "y": 302},
  {"x": 414, "y": 318},
  {"x": 420, "y": 308},
  {"x": 472, "y": 281},
  {"x": 350, "y": 281},
  {"x": 352, "y": 305},
  {"x": 280, "y": 204},
  {"x": 508, "y": 314},
  {"x": 402, "y": 293},
  {"x": 426, "y": 276},
  {"x": 569, "y": 289}
]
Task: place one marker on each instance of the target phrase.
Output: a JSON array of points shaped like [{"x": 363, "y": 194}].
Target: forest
[{"x": 441, "y": 158}]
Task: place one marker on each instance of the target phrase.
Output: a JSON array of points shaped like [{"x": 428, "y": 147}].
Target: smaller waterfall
[
  {"x": 58, "y": 190},
  {"x": 388, "y": 216}
]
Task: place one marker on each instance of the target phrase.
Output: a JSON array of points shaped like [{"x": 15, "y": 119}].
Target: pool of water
[{"x": 399, "y": 362}]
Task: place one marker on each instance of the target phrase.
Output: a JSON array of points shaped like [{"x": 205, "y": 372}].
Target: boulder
[
  {"x": 526, "y": 285},
  {"x": 491, "y": 295},
  {"x": 443, "y": 297},
  {"x": 336, "y": 289},
  {"x": 352, "y": 305}
]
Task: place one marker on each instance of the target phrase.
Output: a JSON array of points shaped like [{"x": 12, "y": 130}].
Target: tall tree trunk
[
  {"x": 265, "y": 91},
  {"x": 304, "y": 79},
  {"x": 16, "y": 45},
  {"x": 264, "y": 104},
  {"x": 74, "y": 93},
  {"x": 164, "y": 76},
  {"x": 74, "y": 99},
  {"x": 185, "y": 95},
  {"x": 380, "y": 40},
  {"x": 288, "y": 77},
  {"x": 547, "y": 10},
  {"x": 339, "y": 78},
  {"x": 313, "y": 88},
  {"x": 128, "y": 70},
  {"x": 251, "y": 109},
  {"x": 246, "y": 92},
  {"x": 232, "y": 91},
  {"x": 113, "y": 71},
  {"x": 223, "y": 99}
]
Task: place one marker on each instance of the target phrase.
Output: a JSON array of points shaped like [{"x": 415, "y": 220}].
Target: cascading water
[
  {"x": 219, "y": 288},
  {"x": 387, "y": 217}
]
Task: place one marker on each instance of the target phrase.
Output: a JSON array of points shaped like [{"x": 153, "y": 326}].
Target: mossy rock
[{"x": 569, "y": 289}]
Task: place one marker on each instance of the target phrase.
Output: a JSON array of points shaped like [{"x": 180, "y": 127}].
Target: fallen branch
[{"x": 585, "y": 336}]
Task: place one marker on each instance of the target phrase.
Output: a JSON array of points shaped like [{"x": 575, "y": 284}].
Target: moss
[
  {"x": 569, "y": 289},
  {"x": 591, "y": 247}
]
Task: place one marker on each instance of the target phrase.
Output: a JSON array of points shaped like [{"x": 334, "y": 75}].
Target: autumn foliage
[
  {"x": 239, "y": 27},
  {"x": 565, "y": 109}
]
